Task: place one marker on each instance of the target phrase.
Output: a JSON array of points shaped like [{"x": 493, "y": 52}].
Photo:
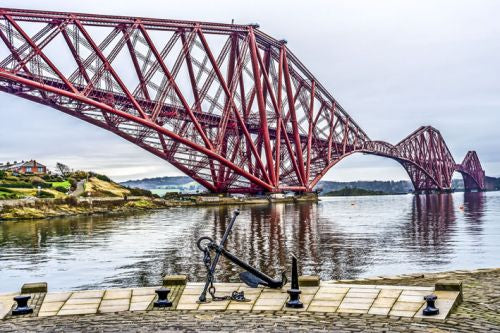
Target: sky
[{"x": 393, "y": 66}]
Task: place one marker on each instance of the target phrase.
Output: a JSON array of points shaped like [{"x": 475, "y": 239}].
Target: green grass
[
  {"x": 8, "y": 195},
  {"x": 64, "y": 184}
]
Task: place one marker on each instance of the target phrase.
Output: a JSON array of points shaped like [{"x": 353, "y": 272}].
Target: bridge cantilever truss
[{"x": 226, "y": 104}]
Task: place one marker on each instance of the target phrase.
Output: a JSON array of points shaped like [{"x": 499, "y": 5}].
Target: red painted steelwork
[{"x": 226, "y": 104}]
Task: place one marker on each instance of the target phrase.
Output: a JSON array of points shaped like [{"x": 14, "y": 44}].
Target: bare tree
[{"x": 63, "y": 169}]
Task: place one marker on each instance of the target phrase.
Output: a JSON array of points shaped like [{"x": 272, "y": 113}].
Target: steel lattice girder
[{"x": 226, "y": 104}]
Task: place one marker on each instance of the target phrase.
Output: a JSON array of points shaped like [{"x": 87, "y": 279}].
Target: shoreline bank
[{"x": 32, "y": 209}]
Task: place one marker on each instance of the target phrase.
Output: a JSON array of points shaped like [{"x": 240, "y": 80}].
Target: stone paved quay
[{"x": 479, "y": 311}]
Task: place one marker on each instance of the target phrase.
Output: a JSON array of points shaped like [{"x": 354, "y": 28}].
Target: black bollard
[
  {"x": 22, "y": 307},
  {"x": 163, "y": 301},
  {"x": 430, "y": 309},
  {"x": 294, "y": 291}
]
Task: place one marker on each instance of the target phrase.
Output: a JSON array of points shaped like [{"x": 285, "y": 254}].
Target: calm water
[{"x": 336, "y": 238}]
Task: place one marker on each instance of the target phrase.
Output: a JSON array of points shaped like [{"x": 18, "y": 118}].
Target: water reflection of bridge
[{"x": 266, "y": 236}]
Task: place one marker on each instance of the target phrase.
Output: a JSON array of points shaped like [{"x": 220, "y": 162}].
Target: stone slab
[
  {"x": 240, "y": 306},
  {"x": 332, "y": 290},
  {"x": 114, "y": 308},
  {"x": 348, "y": 310},
  {"x": 70, "y": 312},
  {"x": 381, "y": 311},
  {"x": 390, "y": 292},
  {"x": 187, "y": 306},
  {"x": 355, "y": 306},
  {"x": 6, "y": 303},
  {"x": 401, "y": 313},
  {"x": 88, "y": 294},
  {"x": 56, "y": 297},
  {"x": 214, "y": 305},
  {"x": 175, "y": 280},
  {"x": 309, "y": 281},
  {"x": 143, "y": 291},
  {"x": 270, "y": 301},
  {"x": 115, "y": 302},
  {"x": 411, "y": 298},
  {"x": 47, "y": 313},
  {"x": 361, "y": 295},
  {"x": 51, "y": 306},
  {"x": 448, "y": 285},
  {"x": 328, "y": 297},
  {"x": 407, "y": 306},
  {"x": 420, "y": 293},
  {"x": 384, "y": 302},
  {"x": 139, "y": 306},
  {"x": 326, "y": 309},
  {"x": 117, "y": 294},
  {"x": 35, "y": 287},
  {"x": 67, "y": 306},
  {"x": 78, "y": 301},
  {"x": 142, "y": 299},
  {"x": 324, "y": 303}
]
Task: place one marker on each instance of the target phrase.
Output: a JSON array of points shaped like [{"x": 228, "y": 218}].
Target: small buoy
[{"x": 352, "y": 203}]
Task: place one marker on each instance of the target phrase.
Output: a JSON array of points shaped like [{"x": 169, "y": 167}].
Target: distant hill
[
  {"x": 353, "y": 192},
  {"x": 158, "y": 182},
  {"x": 391, "y": 187},
  {"x": 492, "y": 183}
]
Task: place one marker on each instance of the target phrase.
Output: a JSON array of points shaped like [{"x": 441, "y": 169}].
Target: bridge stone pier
[{"x": 228, "y": 105}]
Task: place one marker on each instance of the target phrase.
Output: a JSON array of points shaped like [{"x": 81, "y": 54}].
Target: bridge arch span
[{"x": 226, "y": 104}]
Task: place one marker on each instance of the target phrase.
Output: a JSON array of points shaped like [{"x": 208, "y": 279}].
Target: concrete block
[
  {"x": 309, "y": 281},
  {"x": 36, "y": 287},
  {"x": 450, "y": 285},
  {"x": 174, "y": 280}
]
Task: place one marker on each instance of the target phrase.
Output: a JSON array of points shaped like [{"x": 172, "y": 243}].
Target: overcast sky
[{"x": 393, "y": 65}]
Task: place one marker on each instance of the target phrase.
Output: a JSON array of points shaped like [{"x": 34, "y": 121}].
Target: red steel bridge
[{"x": 226, "y": 104}]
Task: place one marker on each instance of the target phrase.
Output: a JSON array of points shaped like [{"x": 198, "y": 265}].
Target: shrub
[
  {"x": 45, "y": 194},
  {"x": 18, "y": 184},
  {"x": 101, "y": 177},
  {"x": 72, "y": 201},
  {"x": 37, "y": 181},
  {"x": 3, "y": 173},
  {"x": 73, "y": 183},
  {"x": 6, "y": 190},
  {"x": 140, "y": 192},
  {"x": 79, "y": 175},
  {"x": 61, "y": 189},
  {"x": 53, "y": 178}
]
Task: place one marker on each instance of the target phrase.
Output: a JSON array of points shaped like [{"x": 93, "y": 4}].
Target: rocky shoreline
[{"x": 23, "y": 209}]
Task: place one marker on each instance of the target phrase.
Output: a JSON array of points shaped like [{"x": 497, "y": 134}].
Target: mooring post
[
  {"x": 162, "y": 301},
  {"x": 22, "y": 307},
  {"x": 294, "y": 291},
  {"x": 430, "y": 309}
]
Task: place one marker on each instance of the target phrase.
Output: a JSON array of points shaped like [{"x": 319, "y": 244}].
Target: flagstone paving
[
  {"x": 382, "y": 305},
  {"x": 403, "y": 301}
]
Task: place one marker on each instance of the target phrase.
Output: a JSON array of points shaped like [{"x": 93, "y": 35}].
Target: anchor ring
[{"x": 201, "y": 239}]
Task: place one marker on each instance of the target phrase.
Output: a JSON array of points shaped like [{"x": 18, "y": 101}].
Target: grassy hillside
[
  {"x": 100, "y": 188},
  {"x": 56, "y": 186}
]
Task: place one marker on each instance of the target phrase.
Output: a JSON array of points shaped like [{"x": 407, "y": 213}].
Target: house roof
[{"x": 31, "y": 163}]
